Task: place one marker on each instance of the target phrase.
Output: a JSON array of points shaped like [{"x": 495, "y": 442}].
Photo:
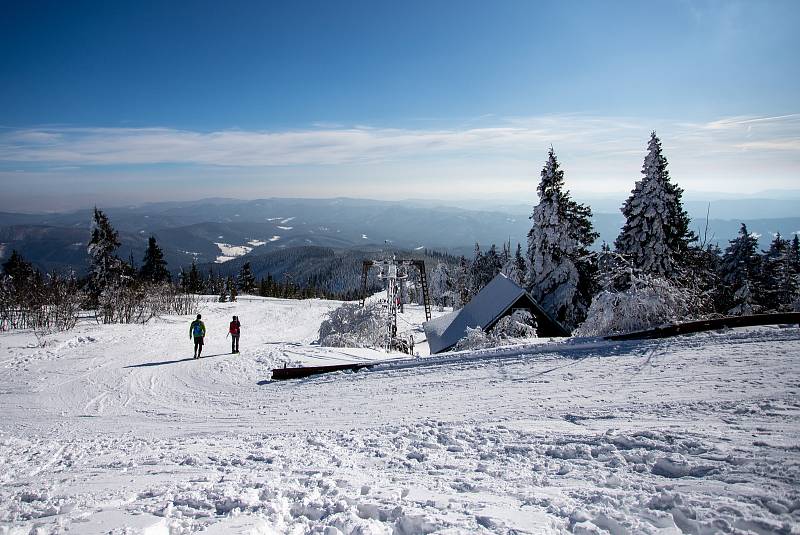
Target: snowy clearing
[
  {"x": 116, "y": 428},
  {"x": 229, "y": 252}
]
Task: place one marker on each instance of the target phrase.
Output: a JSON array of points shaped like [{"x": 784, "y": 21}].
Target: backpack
[{"x": 197, "y": 329}]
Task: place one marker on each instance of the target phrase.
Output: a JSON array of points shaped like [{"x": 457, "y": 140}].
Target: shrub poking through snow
[
  {"x": 648, "y": 302},
  {"x": 519, "y": 324},
  {"x": 352, "y": 325},
  {"x": 515, "y": 327},
  {"x": 474, "y": 339}
]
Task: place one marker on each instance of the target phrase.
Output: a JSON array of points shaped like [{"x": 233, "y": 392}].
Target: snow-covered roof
[{"x": 489, "y": 305}]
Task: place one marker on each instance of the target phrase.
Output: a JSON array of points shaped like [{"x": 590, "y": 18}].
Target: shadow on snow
[{"x": 163, "y": 362}]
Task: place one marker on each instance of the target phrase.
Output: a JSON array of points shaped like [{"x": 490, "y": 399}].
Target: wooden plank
[
  {"x": 281, "y": 374},
  {"x": 783, "y": 318}
]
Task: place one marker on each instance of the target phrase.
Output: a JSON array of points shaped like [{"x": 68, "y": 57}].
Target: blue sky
[{"x": 117, "y": 102}]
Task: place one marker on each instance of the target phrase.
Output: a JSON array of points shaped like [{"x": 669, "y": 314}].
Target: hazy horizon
[{"x": 488, "y": 203}]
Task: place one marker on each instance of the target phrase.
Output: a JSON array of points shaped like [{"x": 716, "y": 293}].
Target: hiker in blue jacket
[{"x": 197, "y": 330}]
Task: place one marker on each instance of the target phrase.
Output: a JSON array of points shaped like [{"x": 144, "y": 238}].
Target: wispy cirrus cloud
[
  {"x": 733, "y": 123},
  {"x": 124, "y": 146},
  {"x": 489, "y": 156},
  {"x": 360, "y": 144}
]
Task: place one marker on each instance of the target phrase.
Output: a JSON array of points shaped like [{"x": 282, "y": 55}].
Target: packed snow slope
[{"x": 116, "y": 429}]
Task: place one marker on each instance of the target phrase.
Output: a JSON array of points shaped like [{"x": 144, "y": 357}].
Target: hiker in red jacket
[{"x": 234, "y": 330}]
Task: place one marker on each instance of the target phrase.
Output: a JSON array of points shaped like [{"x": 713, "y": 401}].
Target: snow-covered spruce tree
[
  {"x": 223, "y": 292},
  {"x": 560, "y": 275},
  {"x": 246, "y": 281},
  {"x": 612, "y": 270},
  {"x": 231, "y": 285},
  {"x": 492, "y": 265},
  {"x": 461, "y": 283},
  {"x": 794, "y": 254},
  {"x": 213, "y": 284},
  {"x": 483, "y": 269},
  {"x": 794, "y": 269},
  {"x": 183, "y": 280},
  {"x": 411, "y": 289},
  {"x": 475, "y": 276},
  {"x": 217, "y": 282},
  {"x": 441, "y": 291},
  {"x": 154, "y": 267},
  {"x": 105, "y": 268},
  {"x": 739, "y": 272},
  {"x": 656, "y": 233},
  {"x": 515, "y": 267},
  {"x": 702, "y": 279},
  {"x": 776, "y": 276}
]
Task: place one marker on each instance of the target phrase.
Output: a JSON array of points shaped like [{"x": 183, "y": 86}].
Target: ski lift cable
[{"x": 406, "y": 322}]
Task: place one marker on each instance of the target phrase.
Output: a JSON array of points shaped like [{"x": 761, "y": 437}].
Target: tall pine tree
[
  {"x": 246, "y": 281},
  {"x": 560, "y": 273},
  {"x": 656, "y": 233},
  {"x": 441, "y": 291},
  {"x": 154, "y": 267},
  {"x": 739, "y": 271},
  {"x": 195, "y": 281},
  {"x": 106, "y": 269},
  {"x": 492, "y": 265},
  {"x": 794, "y": 271},
  {"x": 475, "y": 276},
  {"x": 20, "y": 277},
  {"x": 794, "y": 254},
  {"x": 231, "y": 286},
  {"x": 20, "y": 270},
  {"x": 515, "y": 268},
  {"x": 776, "y": 276}
]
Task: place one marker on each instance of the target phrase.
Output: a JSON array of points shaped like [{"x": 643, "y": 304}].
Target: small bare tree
[{"x": 49, "y": 303}]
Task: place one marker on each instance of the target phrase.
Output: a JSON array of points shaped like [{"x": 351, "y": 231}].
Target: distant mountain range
[{"x": 220, "y": 230}]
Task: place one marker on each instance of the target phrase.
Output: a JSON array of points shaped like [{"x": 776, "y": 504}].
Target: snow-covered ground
[{"x": 117, "y": 429}]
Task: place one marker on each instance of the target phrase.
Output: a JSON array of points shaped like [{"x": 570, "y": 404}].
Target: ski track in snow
[{"x": 116, "y": 429}]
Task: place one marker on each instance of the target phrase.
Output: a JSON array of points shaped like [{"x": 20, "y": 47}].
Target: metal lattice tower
[{"x": 393, "y": 272}]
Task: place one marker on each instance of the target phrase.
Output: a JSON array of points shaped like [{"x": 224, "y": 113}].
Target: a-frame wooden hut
[{"x": 497, "y": 299}]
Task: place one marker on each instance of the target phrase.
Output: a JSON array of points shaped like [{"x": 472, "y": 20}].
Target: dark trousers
[
  {"x": 234, "y": 343},
  {"x": 198, "y": 344}
]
